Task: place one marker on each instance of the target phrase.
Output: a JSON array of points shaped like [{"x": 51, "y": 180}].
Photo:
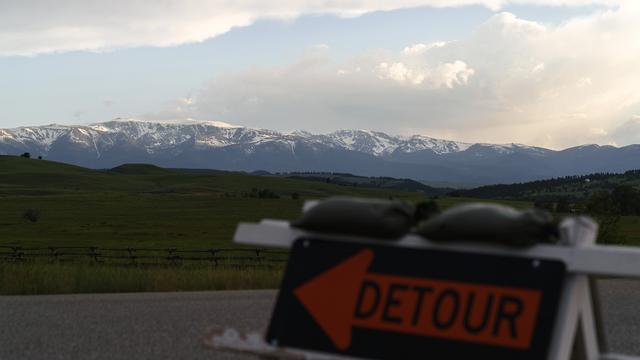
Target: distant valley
[{"x": 217, "y": 145}]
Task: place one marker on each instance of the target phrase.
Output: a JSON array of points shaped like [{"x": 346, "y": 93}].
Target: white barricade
[{"x": 575, "y": 330}]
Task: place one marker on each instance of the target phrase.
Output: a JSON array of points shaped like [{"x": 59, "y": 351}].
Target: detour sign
[
  {"x": 454, "y": 310},
  {"x": 433, "y": 303}
]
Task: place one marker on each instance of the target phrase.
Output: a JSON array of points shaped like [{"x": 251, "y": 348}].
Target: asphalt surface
[
  {"x": 171, "y": 325},
  {"x": 620, "y": 308},
  {"x": 126, "y": 326}
]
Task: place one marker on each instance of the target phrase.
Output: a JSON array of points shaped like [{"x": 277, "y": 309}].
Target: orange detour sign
[
  {"x": 469, "y": 312},
  {"x": 484, "y": 305}
]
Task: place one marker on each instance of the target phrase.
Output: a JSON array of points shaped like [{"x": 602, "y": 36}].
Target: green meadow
[
  {"x": 146, "y": 206},
  {"x": 142, "y": 205}
]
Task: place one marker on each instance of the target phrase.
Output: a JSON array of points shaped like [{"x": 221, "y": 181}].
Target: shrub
[
  {"x": 267, "y": 194},
  {"x": 32, "y": 215},
  {"x": 544, "y": 205},
  {"x": 426, "y": 209},
  {"x": 261, "y": 194},
  {"x": 26, "y": 155}
]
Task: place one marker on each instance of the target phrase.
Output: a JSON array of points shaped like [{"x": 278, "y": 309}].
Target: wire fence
[{"x": 230, "y": 257}]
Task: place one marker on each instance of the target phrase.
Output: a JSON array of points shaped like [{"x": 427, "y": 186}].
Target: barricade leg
[{"x": 575, "y": 336}]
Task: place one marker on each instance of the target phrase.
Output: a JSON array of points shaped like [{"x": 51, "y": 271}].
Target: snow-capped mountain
[
  {"x": 213, "y": 144},
  {"x": 158, "y": 136}
]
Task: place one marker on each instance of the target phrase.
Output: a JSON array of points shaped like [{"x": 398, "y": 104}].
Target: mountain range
[{"x": 218, "y": 145}]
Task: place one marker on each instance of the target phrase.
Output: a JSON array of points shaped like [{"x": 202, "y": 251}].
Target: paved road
[
  {"x": 126, "y": 326},
  {"x": 170, "y": 325},
  {"x": 621, "y": 314}
]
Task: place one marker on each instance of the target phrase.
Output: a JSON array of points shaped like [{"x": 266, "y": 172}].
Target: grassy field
[
  {"x": 43, "y": 278},
  {"x": 145, "y": 206},
  {"x": 148, "y": 206},
  {"x": 140, "y": 206},
  {"x": 123, "y": 219}
]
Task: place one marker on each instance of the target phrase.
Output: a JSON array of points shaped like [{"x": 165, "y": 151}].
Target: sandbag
[
  {"x": 491, "y": 223},
  {"x": 355, "y": 216}
]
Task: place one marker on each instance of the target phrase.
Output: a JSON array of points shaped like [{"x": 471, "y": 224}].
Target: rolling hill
[
  {"x": 20, "y": 175},
  {"x": 388, "y": 183},
  {"x": 569, "y": 187}
]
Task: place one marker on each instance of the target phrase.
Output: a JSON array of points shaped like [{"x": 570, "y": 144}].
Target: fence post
[
  {"x": 132, "y": 255},
  {"x": 17, "y": 254},
  {"x": 54, "y": 253},
  {"x": 258, "y": 259},
  {"x": 93, "y": 253},
  {"x": 172, "y": 257},
  {"x": 214, "y": 257}
]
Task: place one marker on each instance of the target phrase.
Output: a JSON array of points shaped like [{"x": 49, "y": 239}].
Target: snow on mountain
[
  {"x": 218, "y": 145},
  {"x": 41, "y": 135},
  {"x": 370, "y": 142},
  {"x": 480, "y": 149},
  {"x": 419, "y": 142},
  {"x": 157, "y": 135}
]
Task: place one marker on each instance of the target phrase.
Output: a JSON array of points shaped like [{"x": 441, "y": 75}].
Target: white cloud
[
  {"x": 186, "y": 101},
  {"x": 628, "y": 132},
  {"x": 444, "y": 75},
  {"x": 450, "y": 74},
  {"x": 419, "y": 49},
  {"x": 512, "y": 80},
  {"x": 30, "y": 27},
  {"x": 538, "y": 68},
  {"x": 598, "y": 131}
]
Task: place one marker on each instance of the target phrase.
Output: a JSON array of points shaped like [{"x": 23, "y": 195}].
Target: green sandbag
[
  {"x": 491, "y": 223},
  {"x": 354, "y": 216}
]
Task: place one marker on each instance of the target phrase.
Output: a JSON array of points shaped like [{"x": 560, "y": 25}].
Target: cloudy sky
[{"x": 553, "y": 73}]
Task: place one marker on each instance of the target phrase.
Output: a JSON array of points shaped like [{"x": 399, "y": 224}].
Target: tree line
[{"x": 606, "y": 207}]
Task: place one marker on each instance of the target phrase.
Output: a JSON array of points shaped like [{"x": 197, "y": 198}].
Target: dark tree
[
  {"x": 26, "y": 155},
  {"x": 562, "y": 206},
  {"x": 627, "y": 199},
  {"x": 606, "y": 212}
]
